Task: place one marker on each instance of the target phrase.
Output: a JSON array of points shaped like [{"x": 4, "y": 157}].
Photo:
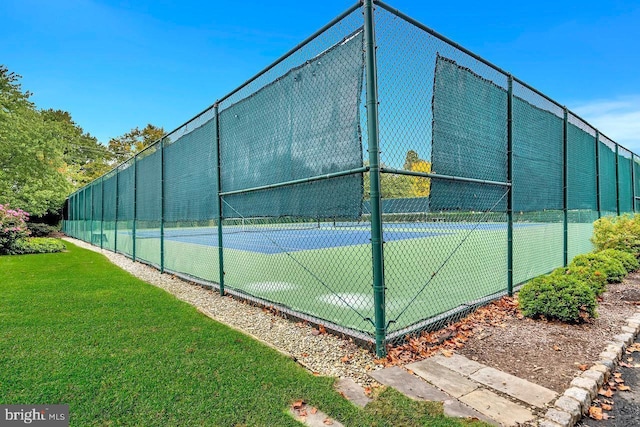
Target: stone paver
[
  {"x": 443, "y": 378},
  {"x": 458, "y": 363},
  {"x": 523, "y": 390},
  {"x": 352, "y": 391},
  {"x": 408, "y": 384},
  {"x": 455, "y": 408},
  {"x": 497, "y": 407},
  {"x": 319, "y": 419}
]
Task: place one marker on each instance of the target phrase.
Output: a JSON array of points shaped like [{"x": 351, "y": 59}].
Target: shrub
[
  {"x": 37, "y": 245},
  {"x": 621, "y": 233},
  {"x": 588, "y": 275},
  {"x": 629, "y": 262},
  {"x": 611, "y": 268},
  {"x": 38, "y": 229},
  {"x": 558, "y": 296},
  {"x": 12, "y": 227}
]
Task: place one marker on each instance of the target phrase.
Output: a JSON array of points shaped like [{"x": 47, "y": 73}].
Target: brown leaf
[
  {"x": 314, "y": 410},
  {"x": 367, "y": 391},
  {"x": 345, "y": 358},
  {"x": 622, "y": 387},
  {"x": 410, "y": 372},
  {"x": 605, "y": 393},
  {"x": 322, "y": 329},
  {"x": 556, "y": 348},
  {"x": 303, "y": 413},
  {"x": 583, "y": 367},
  {"x": 595, "y": 412},
  {"x": 446, "y": 353},
  {"x": 298, "y": 404},
  {"x": 606, "y": 407},
  {"x": 617, "y": 374},
  {"x": 328, "y": 421},
  {"x": 618, "y": 380}
]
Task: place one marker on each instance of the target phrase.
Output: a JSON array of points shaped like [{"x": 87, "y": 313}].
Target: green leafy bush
[
  {"x": 12, "y": 227},
  {"x": 38, "y": 229},
  {"x": 629, "y": 262},
  {"x": 37, "y": 245},
  {"x": 612, "y": 269},
  {"x": 621, "y": 233},
  {"x": 588, "y": 275},
  {"x": 563, "y": 297}
]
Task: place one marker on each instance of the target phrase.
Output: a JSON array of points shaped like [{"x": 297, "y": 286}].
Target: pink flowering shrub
[{"x": 13, "y": 226}]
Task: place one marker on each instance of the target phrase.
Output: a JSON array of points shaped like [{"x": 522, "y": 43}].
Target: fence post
[
  {"x": 219, "y": 188},
  {"x": 565, "y": 198},
  {"x": 101, "y": 211},
  {"x": 617, "y": 184},
  {"x": 115, "y": 236},
  {"x": 598, "y": 205},
  {"x": 374, "y": 173},
  {"x": 510, "y": 189},
  {"x": 135, "y": 204},
  {"x": 162, "y": 205},
  {"x": 633, "y": 183}
]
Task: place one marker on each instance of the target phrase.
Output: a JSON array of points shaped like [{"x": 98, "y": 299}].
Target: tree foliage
[
  {"x": 44, "y": 154},
  {"x": 398, "y": 186},
  {"x": 125, "y": 146}
]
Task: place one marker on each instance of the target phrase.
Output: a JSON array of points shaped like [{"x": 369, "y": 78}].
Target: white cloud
[{"x": 617, "y": 118}]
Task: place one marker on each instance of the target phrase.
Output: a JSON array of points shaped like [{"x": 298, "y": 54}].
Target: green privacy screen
[
  {"x": 271, "y": 185},
  {"x": 469, "y": 139},
  {"x": 304, "y": 124},
  {"x": 608, "y": 186},
  {"x": 191, "y": 201}
]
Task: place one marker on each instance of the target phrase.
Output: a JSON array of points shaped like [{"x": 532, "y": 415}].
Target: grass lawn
[{"x": 77, "y": 330}]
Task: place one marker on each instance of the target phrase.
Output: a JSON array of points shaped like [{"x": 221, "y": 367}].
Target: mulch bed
[{"x": 548, "y": 353}]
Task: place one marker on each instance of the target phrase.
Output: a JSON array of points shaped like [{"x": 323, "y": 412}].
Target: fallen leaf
[
  {"x": 606, "y": 407},
  {"x": 583, "y": 367},
  {"x": 410, "y": 372},
  {"x": 345, "y": 358},
  {"x": 625, "y": 365},
  {"x": 303, "y": 413},
  {"x": 619, "y": 380},
  {"x": 556, "y": 348},
  {"x": 367, "y": 391},
  {"x": 617, "y": 374},
  {"x": 624, "y": 388},
  {"x": 605, "y": 393},
  {"x": 328, "y": 421},
  {"x": 314, "y": 410},
  {"x": 298, "y": 404},
  {"x": 446, "y": 353},
  {"x": 322, "y": 329},
  {"x": 595, "y": 413}
]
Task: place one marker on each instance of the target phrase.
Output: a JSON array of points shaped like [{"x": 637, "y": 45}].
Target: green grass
[{"x": 75, "y": 329}]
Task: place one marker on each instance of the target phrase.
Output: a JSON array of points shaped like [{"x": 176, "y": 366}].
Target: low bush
[
  {"x": 563, "y": 297},
  {"x": 13, "y": 227},
  {"x": 37, "y": 245},
  {"x": 629, "y": 262},
  {"x": 621, "y": 233},
  {"x": 38, "y": 229},
  {"x": 588, "y": 275},
  {"x": 610, "y": 267}
]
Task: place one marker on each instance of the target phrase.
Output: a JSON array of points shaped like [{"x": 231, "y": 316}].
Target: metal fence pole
[
  {"x": 374, "y": 165},
  {"x": 115, "y": 236},
  {"x": 162, "y": 207},
  {"x": 510, "y": 189},
  {"x": 135, "y": 204},
  {"x": 598, "y": 205},
  {"x": 101, "y": 211},
  {"x": 633, "y": 183},
  {"x": 220, "y": 216},
  {"x": 617, "y": 184},
  {"x": 565, "y": 198}
]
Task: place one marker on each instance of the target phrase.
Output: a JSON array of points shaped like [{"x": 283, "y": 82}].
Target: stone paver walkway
[{"x": 470, "y": 389}]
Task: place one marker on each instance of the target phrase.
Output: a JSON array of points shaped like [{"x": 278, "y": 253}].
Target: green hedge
[{"x": 37, "y": 245}]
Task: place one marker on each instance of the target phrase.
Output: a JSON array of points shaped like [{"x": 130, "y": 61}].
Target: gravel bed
[{"x": 322, "y": 354}]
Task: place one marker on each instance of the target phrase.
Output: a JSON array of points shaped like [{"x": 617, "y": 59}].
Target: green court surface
[{"x": 447, "y": 266}]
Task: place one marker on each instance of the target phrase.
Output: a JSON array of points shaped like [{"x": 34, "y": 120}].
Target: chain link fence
[{"x": 280, "y": 191}]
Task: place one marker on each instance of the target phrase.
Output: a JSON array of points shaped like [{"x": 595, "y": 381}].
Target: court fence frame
[{"x": 142, "y": 203}]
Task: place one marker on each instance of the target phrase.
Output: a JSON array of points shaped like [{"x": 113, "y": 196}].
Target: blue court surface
[{"x": 271, "y": 240}]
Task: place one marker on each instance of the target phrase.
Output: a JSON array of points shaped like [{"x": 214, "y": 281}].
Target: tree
[
  {"x": 31, "y": 152},
  {"x": 130, "y": 143},
  {"x": 420, "y": 187}
]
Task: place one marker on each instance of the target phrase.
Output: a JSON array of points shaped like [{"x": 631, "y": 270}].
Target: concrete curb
[{"x": 569, "y": 408}]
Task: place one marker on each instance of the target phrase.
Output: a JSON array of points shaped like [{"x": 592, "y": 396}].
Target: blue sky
[{"x": 115, "y": 65}]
